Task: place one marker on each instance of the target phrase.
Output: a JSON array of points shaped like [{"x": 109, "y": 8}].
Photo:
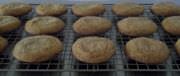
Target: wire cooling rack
[{"x": 67, "y": 64}]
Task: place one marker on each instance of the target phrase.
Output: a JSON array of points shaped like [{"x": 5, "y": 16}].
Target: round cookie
[
  {"x": 177, "y": 46},
  {"x": 165, "y": 9},
  {"x": 8, "y": 23},
  {"x": 172, "y": 25},
  {"x": 147, "y": 50},
  {"x": 50, "y": 9},
  {"x": 136, "y": 26},
  {"x": 88, "y": 9},
  {"x": 90, "y": 25},
  {"x": 15, "y": 9},
  {"x": 98, "y": 50},
  {"x": 44, "y": 25},
  {"x": 37, "y": 48},
  {"x": 128, "y": 9},
  {"x": 3, "y": 43}
]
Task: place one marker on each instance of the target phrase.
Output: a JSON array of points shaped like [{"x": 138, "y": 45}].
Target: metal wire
[{"x": 66, "y": 62}]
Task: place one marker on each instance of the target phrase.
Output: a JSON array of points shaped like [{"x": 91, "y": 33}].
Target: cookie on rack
[
  {"x": 91, "y": 25},
  {"x": 8, "y": 23},
  {"x": 93, "y": 49},
  {"x": 147, "y": 50},
  {"x": 36, "y": 49},
  {"x": 177, "y": 46},
  {"x": 172, "y": 25},
  {"x": 136, "y": 26},
  {"x": 44, "y": 25},
  {"x": 88, "y": 9},
  {"x": 15, "y": 9},
  {"x": 3, "y": 43},
  {"x": 128, "y": 9},
  {"x": 51, "y": 9},
  {"x": 165, "y": 9}
]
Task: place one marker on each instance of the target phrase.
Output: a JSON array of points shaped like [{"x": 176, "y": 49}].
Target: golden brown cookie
[
  {"x": 93, "y": 49},
  {"x": 128, "y": 9},
  {"x": 51, "y": 9},
  {"x": 37, "y": 48},
  {"x": 88, "y": 9},
  {"x": 15, "y": 9},
  {"x": 90, "y": 25},
  {"x": 172, "y": 25},
  {"x": 165, "y": 9},
  {"x": 44, "y": 25},
  {"x": 177, "y": 46},
  {"x": 136, "y": 26},
  {"x": 8, "y": 23},
  {"x": 147, "y": 50},
  {"x": 3, "y": 43}
]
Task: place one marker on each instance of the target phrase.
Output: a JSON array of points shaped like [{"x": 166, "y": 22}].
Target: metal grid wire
[{"x": 66, "y": 62}]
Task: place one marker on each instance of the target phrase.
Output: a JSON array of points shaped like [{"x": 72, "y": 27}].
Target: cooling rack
[{"x": 66, "y": 65}]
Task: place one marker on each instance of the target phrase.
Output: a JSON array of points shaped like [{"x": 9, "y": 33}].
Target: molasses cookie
[
  {"x": 44, "y": 25},
  {"x": 147, "y": 50},
  {"x": 8, "y": 23},
  {"x": 172, "y": 25},
  {"x": 15, "y": 9},
  {"x": 88, "y": 9},
  {"x": 37, "y": 48},
  {"x": 128, "y": 9},
  {"x": 51, "y": 9},
  {"x": 136, "y": 26},
  {"x": 93, "y": 49},
  {"x": 165, "y": 9},
  {"x": 91, "y": 25}
]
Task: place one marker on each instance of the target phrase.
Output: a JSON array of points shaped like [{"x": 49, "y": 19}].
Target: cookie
[
  {"x": 172, "y": 25},
  {"x": 15, "y": 9},
  {"x": 8, "y": 23},
  {"x": 3, "y": 43},
  {"x": 147, "y": 50},
  {"x": 98, "y": 50},
  {"x": 136, "y": 26},
  {"x": 128, "y": 9},
  {"x": 165, "y": 9},
  {"x": 44, "y": 25},
  {"x": 177, "y": 46},
  {"x": 88, "y": 9},
  {"x": 36, "y": 49},
  {"x": 51, "y": 9},
  {"x": 91, "y": 25}
]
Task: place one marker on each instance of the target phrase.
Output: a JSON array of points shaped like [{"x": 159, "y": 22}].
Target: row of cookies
[
  {"x": 91, "y": 25},
  {"x": 92, "y": 49},
  {"x": 120, "y": 9}
]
